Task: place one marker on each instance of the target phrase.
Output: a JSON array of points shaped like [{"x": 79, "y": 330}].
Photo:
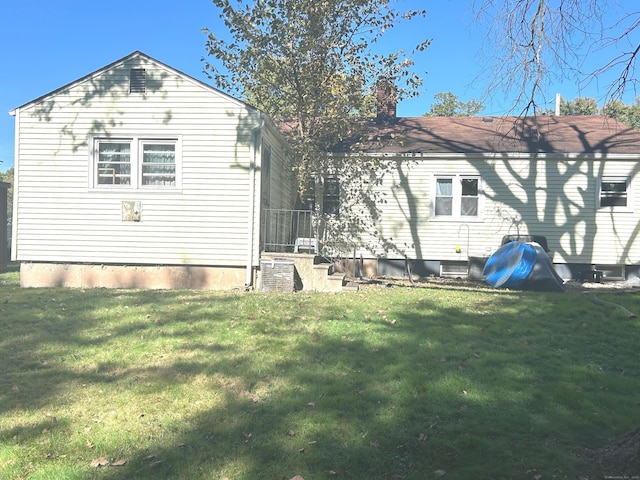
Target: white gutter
[
  {"x": 253, "y": 154},
  {"x": 491, "y": 155}
]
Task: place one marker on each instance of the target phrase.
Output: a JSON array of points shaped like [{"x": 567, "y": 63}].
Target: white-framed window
[
  {"x": 614, "y": 192},
  {"x": 135, "y": 162},
  {"x": 456, "y": 196}
]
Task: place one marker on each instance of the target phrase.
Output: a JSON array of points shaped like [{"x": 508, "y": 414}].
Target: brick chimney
[{"x": 386, "y": 101}]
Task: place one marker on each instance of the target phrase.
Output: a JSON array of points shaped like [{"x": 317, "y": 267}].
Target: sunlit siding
[
  {"x": 61, "y": 217},
  {"x": 553, "y": 197}
]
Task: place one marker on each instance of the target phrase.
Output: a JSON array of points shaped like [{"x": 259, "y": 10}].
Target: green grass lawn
[{"x": 437, "y": 381}]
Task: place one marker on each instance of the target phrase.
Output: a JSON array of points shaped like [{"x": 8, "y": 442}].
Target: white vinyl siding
[
  {"x": 556, "y": 198},
  {"x": 66, "y": 215}
]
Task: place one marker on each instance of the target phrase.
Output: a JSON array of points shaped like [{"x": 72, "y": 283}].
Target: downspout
[
  {"x": 253, "y": 153},
  {"x": 16, "y": 161}
]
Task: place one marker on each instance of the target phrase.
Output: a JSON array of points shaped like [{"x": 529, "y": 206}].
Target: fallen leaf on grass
[
  {"x": 99, "y": 462},
  {"x": 422, "y": 437},
  {"x": 155, "y": 464},
  {"x": 297, "y": 477},
  {"x": 439, "y": 473},
  {"x": 291, "y": 433},
  {"x": 118, "y": 463}
]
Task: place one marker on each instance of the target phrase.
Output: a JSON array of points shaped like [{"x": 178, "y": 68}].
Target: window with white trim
[
  {"x": 613, "y": 192},
  {"x": 456, "y": 196},
  {"x": 135, "y": 162}
]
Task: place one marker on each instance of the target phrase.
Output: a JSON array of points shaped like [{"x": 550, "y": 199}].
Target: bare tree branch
[{"x": 530, "y": 43}]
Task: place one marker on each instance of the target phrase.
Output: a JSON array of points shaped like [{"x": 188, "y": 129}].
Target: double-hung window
[
  {"x": 135, "y": 162},
  {"x": 330, "y": 189},
  {"x": 456, "y": 196},
  {"x": 614, "y": 192}
]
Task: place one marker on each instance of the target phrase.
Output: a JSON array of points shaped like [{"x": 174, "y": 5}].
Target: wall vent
[
  {"x": 454, "y": 269},
  {"x": 137, "y": 80}
]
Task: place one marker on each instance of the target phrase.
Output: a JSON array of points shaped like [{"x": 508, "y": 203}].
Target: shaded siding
[
  {"x": 283, "y": 185},
  {"x": 554, "y": 197},
  {"x": 61, "y": 218}
]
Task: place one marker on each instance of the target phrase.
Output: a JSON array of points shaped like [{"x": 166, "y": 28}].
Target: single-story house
[
  {"x": 138, "y": 175},
  {"x": 464, "y": 186}
]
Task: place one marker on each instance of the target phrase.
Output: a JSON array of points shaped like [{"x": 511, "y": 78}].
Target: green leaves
[
  {"x": 312, "y": 66},
  {"x": 308, "y": 60},
  {"x": 447, "y": 105}
]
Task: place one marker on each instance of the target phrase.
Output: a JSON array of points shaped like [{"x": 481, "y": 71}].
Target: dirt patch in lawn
[{"x": 620, "y": 459}]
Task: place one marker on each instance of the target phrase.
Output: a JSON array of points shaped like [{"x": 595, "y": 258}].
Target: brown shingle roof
[{"x": 469, "y": 135}]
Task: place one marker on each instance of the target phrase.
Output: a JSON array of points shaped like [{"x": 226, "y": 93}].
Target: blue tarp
[{"x": 524, "y": 266}]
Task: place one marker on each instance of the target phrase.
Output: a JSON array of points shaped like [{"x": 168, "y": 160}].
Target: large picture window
[
  {"x": 135, "y": 163},
  {"x": 456, "y": 196}
]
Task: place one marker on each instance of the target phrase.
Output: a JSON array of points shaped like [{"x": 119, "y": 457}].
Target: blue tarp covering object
[{"x": 525, "y": 266}]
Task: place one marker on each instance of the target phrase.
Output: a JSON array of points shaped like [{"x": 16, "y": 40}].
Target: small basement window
[{"x": 137, "y": 80}]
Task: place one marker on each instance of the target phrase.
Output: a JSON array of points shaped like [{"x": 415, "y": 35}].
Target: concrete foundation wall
[{"x": 131, "y": 276}]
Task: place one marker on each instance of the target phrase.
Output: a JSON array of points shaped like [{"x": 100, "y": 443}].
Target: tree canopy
[
  {"x": 312, "y": 66},
  {"x": 310, "y": 63},
  {"x": 579, "y": 106},
  {"x": 447, "y": 104},
  {"x": 625, "y": 113}
]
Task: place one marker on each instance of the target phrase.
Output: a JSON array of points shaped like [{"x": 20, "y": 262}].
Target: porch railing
[{"x": 281, "y": 228}]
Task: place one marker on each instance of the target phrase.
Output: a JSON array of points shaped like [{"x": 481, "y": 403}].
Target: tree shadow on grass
[{"x": 397, "y": 386}]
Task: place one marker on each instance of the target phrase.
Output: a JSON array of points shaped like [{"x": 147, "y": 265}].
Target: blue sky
[{"x": 49, "y": 43}]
